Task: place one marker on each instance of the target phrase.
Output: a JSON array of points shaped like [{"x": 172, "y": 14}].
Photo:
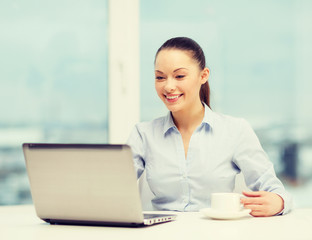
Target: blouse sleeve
[
  {"x": 135, "y": 141},
  {"x": 256, "y": 167}
]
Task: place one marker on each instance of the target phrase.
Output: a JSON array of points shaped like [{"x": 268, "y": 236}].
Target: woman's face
[{"x": 178, "y": 79}]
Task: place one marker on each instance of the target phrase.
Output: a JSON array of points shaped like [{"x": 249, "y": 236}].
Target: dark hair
[{"x": 187, "y": 44}]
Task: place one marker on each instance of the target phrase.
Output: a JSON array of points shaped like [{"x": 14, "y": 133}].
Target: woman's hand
[{"x": 262, "y": 203}]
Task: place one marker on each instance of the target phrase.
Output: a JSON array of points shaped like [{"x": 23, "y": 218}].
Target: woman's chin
[{"x": 173, "y": 107}]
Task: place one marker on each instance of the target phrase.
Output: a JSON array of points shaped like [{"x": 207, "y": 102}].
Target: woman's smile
[{"x": 171, "y": 98}]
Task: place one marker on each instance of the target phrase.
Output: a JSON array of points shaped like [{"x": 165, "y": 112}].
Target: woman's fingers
[
  {"x": 263, "y": 203},
  {"x": 252, "y": 201},
  {"x": 253, "y": 194},
  {"x": 257, "y": 213},
  {"x": 254, "y": 207},
  {"x": 256, "y": 210}
]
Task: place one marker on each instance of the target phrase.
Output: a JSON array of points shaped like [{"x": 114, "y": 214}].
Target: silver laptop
[{"x": 86, "y": 184}]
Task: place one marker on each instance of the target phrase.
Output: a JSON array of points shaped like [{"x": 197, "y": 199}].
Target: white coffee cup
[{"x": 226, "y": 202}]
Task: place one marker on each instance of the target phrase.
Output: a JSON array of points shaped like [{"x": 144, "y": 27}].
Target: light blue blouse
[{"x": 219, "y": 149}]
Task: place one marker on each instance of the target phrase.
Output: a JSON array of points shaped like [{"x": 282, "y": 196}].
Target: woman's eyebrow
[
  {"x": 179, "y": 69},
  {"x": 173, "y": 71}
]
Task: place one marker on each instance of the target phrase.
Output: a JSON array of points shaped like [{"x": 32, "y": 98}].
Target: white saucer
[{"x": 209, "y": 212}]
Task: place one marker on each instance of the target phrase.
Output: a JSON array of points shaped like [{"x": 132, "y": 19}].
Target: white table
[{"x": 21, "y": 222}]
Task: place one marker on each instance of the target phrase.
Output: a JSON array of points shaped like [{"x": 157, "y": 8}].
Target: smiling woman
[
  {"x": 193, "y": 151},
  {"x": 181, "y": 74},
  {"x": 259, "y": 70}
]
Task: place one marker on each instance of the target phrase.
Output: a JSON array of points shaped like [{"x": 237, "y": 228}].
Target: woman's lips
[{"x": 173, "y": 98}]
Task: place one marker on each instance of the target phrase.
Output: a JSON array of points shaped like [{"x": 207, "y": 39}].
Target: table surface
[{"x": 21, "y": 222}]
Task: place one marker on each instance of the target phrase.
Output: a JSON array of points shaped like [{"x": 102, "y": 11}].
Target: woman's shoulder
[{"x": 232, "y": 123}]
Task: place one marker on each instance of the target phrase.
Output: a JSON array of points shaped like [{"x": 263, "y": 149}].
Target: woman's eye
[
  {"x": 159, "y": 78},
  {"x": 180, "y": 76}
]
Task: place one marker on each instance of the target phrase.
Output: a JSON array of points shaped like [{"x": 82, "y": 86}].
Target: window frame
[{"x": 124, "y": 69}]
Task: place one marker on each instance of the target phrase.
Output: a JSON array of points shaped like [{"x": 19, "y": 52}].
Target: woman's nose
[{"x": 170, "y": 85}]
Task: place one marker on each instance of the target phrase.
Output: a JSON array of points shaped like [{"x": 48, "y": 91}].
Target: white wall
[{"x": 124, "y": 65}]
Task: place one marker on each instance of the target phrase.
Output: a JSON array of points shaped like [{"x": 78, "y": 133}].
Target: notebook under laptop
[{"x": 88, "y": 184}]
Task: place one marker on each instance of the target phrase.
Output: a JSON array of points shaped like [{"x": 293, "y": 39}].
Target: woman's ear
[{"x": 204, "y": 75}]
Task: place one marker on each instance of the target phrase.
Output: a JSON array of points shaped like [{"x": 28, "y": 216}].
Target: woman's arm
[
  {"x": 135, "y": 141},
  {"x": 269, "y": 196}
]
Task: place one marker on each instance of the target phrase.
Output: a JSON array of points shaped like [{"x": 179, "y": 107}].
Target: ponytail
[{"x": 204, "y": 93}]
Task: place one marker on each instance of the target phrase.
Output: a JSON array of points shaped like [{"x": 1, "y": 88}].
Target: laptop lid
[{"x": 80, "y": 183}]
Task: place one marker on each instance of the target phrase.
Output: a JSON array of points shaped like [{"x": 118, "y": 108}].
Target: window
[{"x": 53, "y": 81}]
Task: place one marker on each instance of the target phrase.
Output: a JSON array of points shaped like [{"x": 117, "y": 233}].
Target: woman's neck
[{"x": 188, "y": 120}]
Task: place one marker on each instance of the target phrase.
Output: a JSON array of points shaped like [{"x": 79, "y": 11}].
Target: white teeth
[{"x": 172, "y": 97}]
